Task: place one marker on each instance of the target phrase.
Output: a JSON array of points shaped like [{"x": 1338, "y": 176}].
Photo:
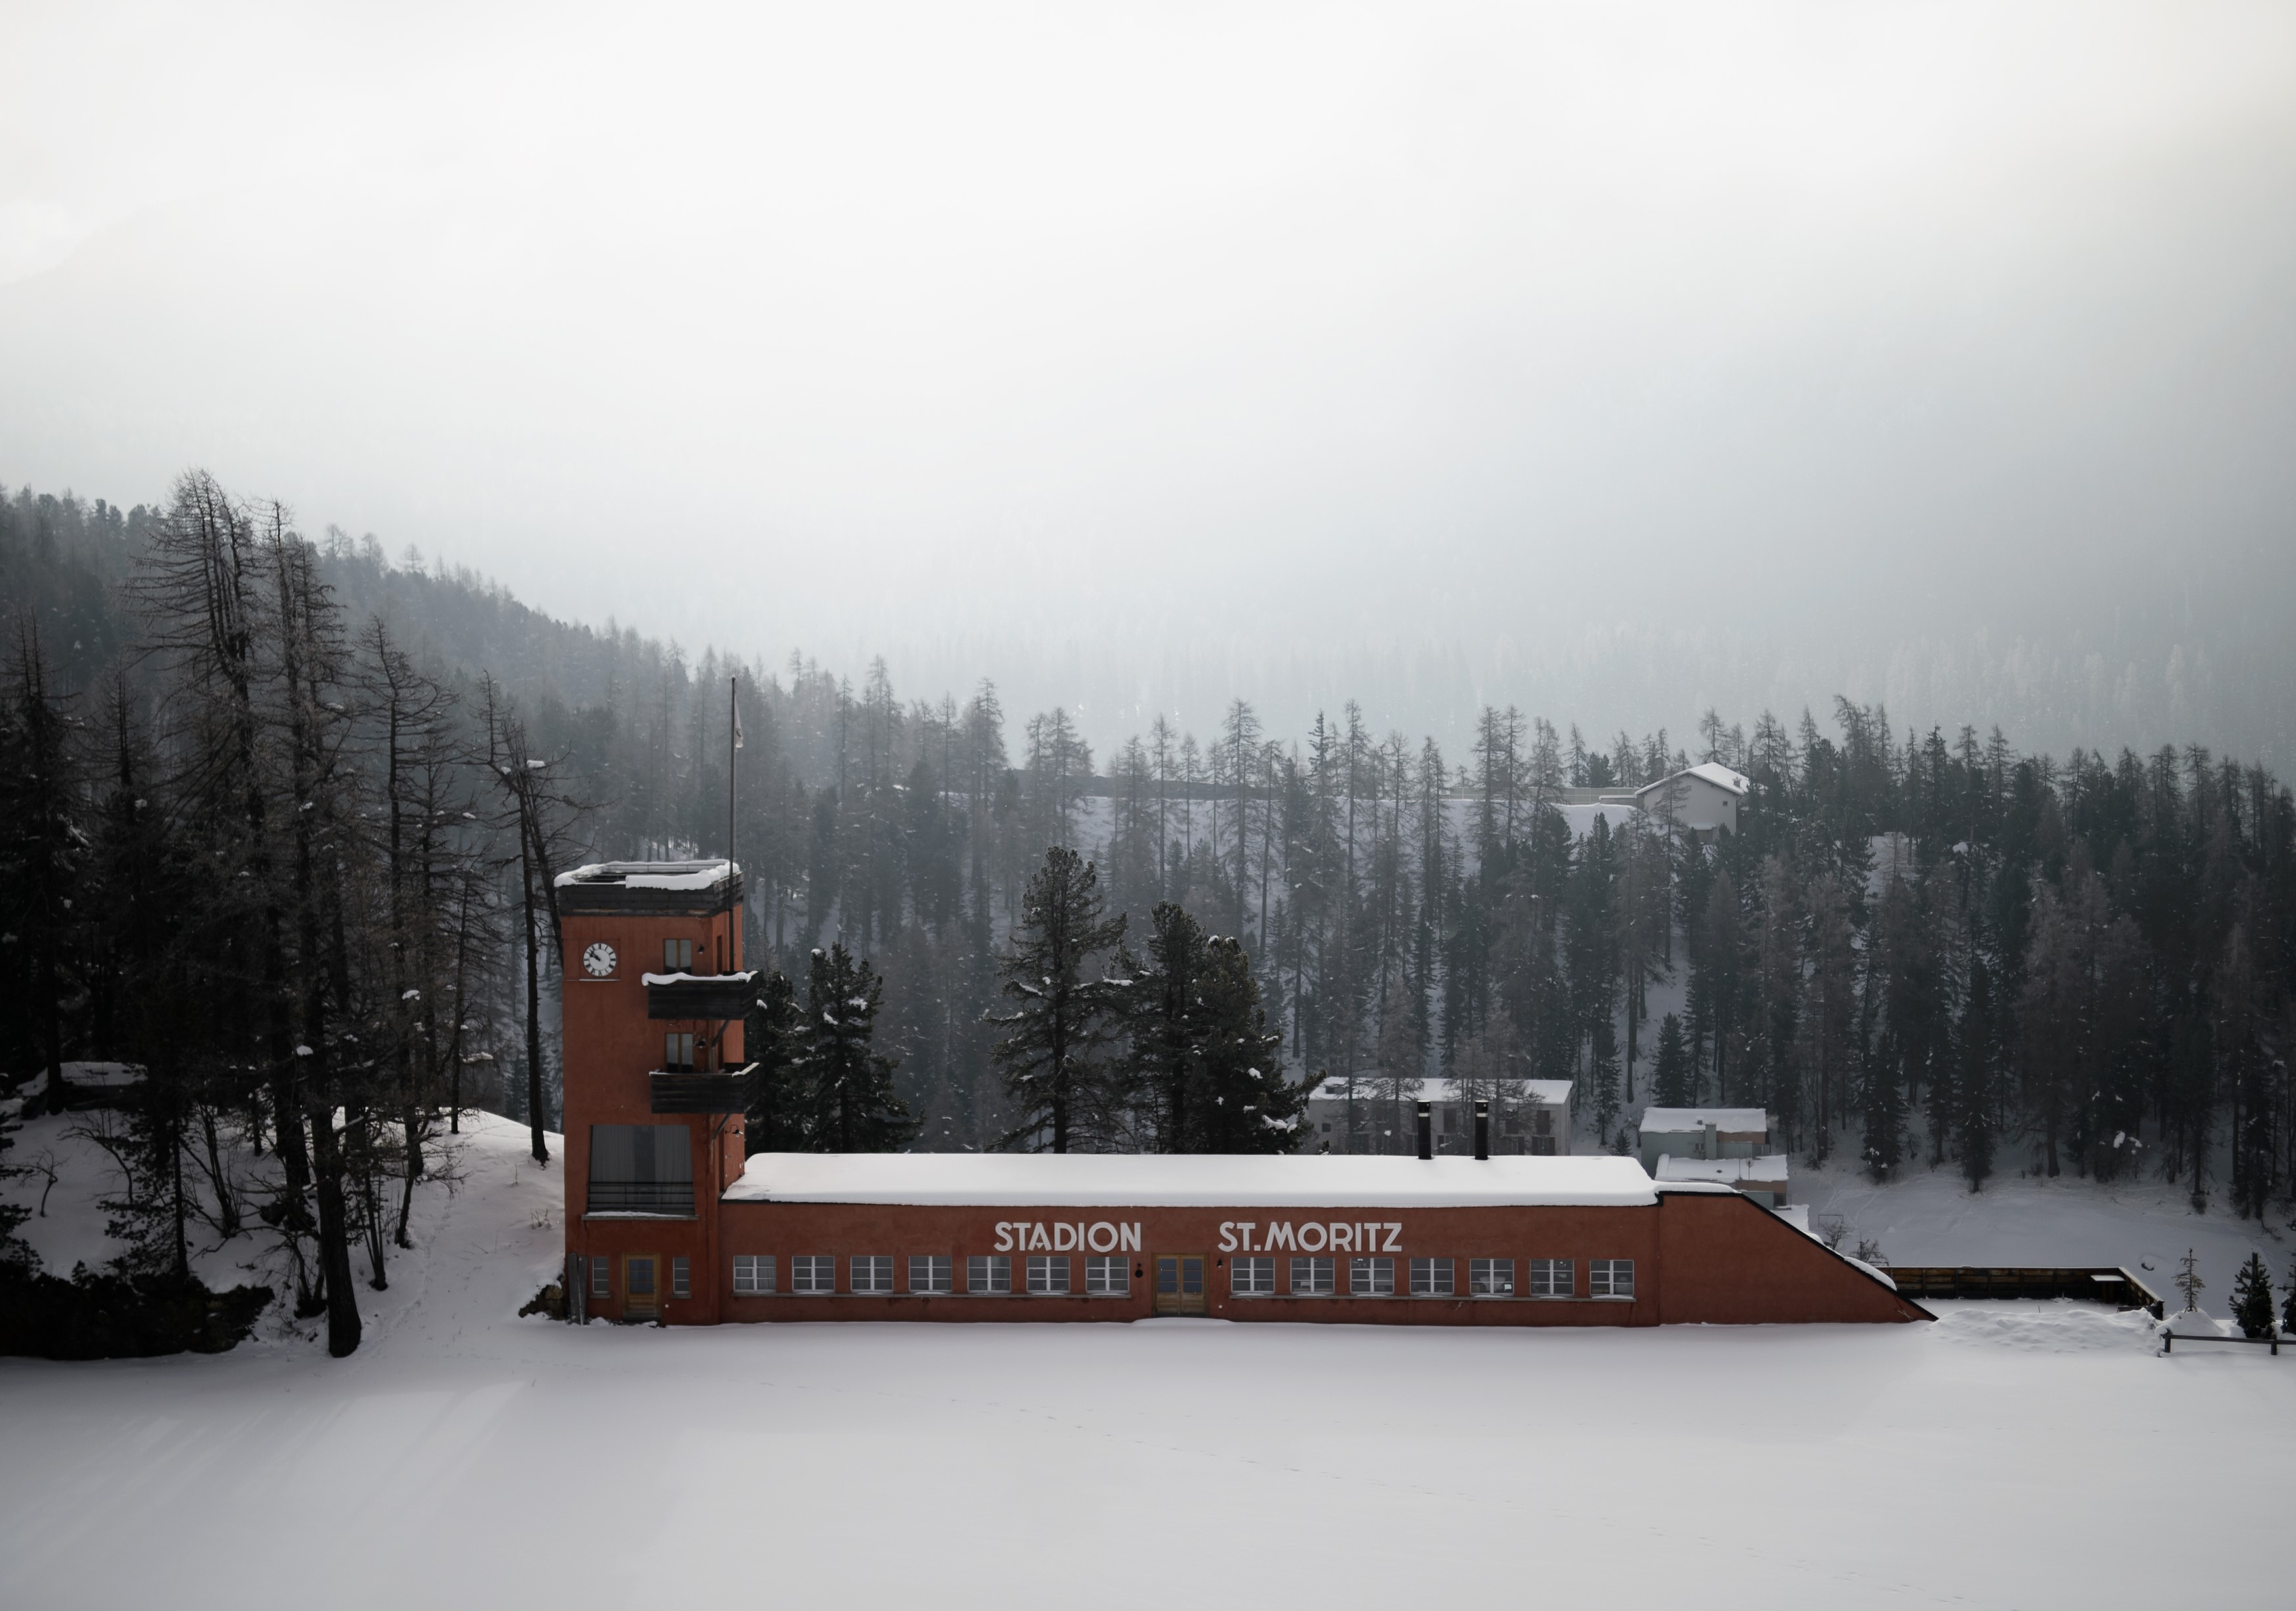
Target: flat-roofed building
[
  {"x": 1765, "y": 1178},
  {"x": 1530, "y": 1116},
  {"x": 1701, "y": 1133}
]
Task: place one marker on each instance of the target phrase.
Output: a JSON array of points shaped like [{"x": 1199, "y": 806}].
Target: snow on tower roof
[
  {"x": 1157, "y": 1180},
  {"x": 1728, "y": 1121},
  {"x": 1370, "y": 1087},
  {"x": 649, "y": 875}
]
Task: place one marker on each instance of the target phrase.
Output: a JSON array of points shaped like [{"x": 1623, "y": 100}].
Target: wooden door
[
  {"x": 641, "y": 1287},
  {"x": 1180, "y": 1283}
]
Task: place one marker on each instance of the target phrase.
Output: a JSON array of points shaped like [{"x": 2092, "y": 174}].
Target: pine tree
[
  {"x": 1245, "y": 1103},
  {"x": 1670, "y": 1074},
  {"x": 851, "y": 1085},
  {"x": 2252, "y": 1297},
  {"x": 774, "y": 1039},
  {"x": 2288, "y": 1304},
  {"x": 1064, "y": 1016},
  {"x": 2188, "y": 1280}
]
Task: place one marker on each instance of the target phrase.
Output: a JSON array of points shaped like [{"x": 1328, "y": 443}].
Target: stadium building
[{"x": 666, "y": 1219}]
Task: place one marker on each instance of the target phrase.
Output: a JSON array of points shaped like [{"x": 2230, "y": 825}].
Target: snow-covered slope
[{"x": 2010, "y": 1455}]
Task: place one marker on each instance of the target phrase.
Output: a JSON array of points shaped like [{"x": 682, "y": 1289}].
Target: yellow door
[
  {"x": 1180, "y": 1283},
  {"x": 641, "y": 1287}
]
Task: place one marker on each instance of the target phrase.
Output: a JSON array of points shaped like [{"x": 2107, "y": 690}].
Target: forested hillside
[{"x": 279, "y": 807}]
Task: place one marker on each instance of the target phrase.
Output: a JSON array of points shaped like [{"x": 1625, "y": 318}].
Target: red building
[{"x": 665, "y": 1222}]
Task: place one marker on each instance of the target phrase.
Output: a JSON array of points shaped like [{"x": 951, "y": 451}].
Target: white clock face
[{"x": 598, "y": 962}]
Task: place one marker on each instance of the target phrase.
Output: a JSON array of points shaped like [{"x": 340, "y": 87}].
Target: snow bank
[
  {"x": 2055, "y": 1326},
  {"x": 1770, "y": 1168},
  {"x": 1146, "y": 1180}
]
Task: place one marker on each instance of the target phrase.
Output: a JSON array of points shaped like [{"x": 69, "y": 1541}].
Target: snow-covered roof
[
  {"x": 1682, "y": 1121},
  {"x": 1160, "y": 1180},
  {"x": 1705, "y": 772},
  {"x": 650, "y": 875},
  {"x": 1549, "y": 1092},
  {"x": 1770, "y": 1169},
  {"x": 743, "y": 978}
]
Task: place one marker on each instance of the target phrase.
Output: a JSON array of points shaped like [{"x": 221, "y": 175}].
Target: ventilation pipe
[
  {"x": 1482, "y": 1130},
  {"x": 1426, "y": 1130}
]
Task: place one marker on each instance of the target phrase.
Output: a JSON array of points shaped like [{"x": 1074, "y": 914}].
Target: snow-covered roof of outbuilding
[
  {"x": 1727, "y": 1121},
  {"x": 1708, "y": 772},
  {"x": 1163, "y": 1180},
  {"x": 1769, "y": 1168}
]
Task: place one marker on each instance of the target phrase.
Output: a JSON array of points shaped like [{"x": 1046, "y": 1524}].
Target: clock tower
[{"x": 655, "y": 1083}]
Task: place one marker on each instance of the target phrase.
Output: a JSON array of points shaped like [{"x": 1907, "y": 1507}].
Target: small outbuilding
[{"x": 1701, "y": 799}]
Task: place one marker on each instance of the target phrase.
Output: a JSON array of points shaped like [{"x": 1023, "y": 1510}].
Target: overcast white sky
[{"x": 1142, "y": 353}]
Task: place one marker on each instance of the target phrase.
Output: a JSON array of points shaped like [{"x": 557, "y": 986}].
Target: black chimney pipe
[
  {"x": 1426, "y": 1131},
  {"x": 1482, "y": 1130}
]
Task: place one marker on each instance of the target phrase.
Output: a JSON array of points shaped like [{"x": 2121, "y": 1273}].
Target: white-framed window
[
  {"x": 1549, "y": 1277},
  {"x": 1433, "y": 1278},
  {"x": 602, "y": 1276},
  {"x": 1312, "y": 1277},
  {"x": 1371, "y": 1276},
  {"x": 988, "y": 1272},
  {"x": 1490, "y": 1277},
  {"x": 1107, "y": 1276},
  {"x": 1252, "y": 1277},
  {"x": 681, "y": 1278},
  {"x": 1048, "y": 1274},
  {"x": 1610, "y": 1277},
  {"x": 813, "y": 1272},
  {"x": 753, "y": 1274},
  {"x": 872, "y": 1272},
  {"x": 932, "y": 1272}
]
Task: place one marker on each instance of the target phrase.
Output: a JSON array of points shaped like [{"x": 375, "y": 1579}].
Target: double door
[{"x": 1180, "y": 1284}]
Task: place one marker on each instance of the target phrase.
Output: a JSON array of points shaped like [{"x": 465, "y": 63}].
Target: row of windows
[
  {"x": 1043, "y": 1275},
  {"x": 1255, "y": 1277},
  {"x": 1047, "y": 1275}
]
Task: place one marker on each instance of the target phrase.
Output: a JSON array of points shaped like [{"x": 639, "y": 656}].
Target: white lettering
[
  {"x": 1394, "y": 1229},
  {"x": 1037, "y": 1238},
  {"x": 1343, "y": 1237},
  {"x": 1101, "y": 1237},
  {"x": 1228, "y": 1235},
  {"x": 1279, "y": 1236},
  {"x": 1315, "y": 1228},
  {"x": 1004, "y": 1236},
  {"x": 1247, "y": 1227},
  {"x": 1127, "y": 1237}
]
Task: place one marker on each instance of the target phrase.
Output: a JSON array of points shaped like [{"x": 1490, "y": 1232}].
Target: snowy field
[{"x": 2011, "y": 1455}]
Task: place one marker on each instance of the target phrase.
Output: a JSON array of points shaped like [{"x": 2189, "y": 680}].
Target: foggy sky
[{"x": 1610, "y": 360}]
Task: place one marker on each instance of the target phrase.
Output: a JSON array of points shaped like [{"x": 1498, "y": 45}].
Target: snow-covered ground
[{"x": 2013, "y": 1455}]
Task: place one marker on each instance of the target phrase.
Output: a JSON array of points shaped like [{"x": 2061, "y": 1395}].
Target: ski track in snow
[{"x": 2006, "y": 1456}]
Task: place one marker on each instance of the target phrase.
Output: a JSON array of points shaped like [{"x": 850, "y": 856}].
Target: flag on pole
[{"x": 737, "y": 721}]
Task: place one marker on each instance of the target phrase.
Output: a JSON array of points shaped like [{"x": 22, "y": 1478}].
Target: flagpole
[{"x": 733, "y": 744}]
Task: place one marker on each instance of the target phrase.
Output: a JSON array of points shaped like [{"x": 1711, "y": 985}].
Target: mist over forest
[{"x": 1938, "y": 945}]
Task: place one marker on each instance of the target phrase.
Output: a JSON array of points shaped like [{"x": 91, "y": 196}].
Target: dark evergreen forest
[{"x": 283, "y": 810}]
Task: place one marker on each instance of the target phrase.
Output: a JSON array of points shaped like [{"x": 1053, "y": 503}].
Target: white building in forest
[{"x": 1699, "y": 799}]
